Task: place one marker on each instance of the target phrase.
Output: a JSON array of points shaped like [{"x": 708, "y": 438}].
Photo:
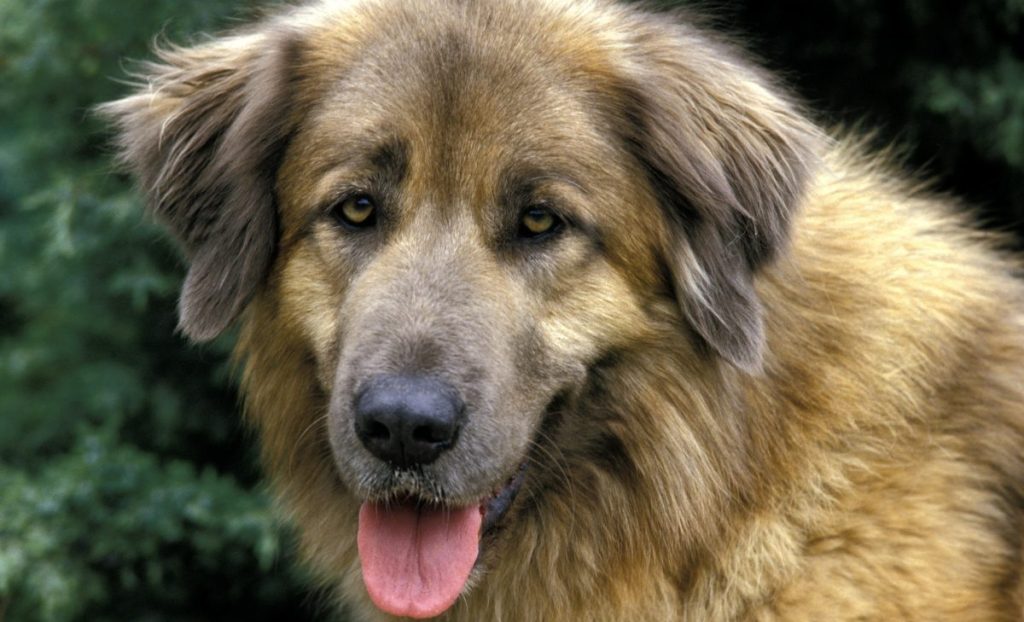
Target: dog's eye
[
  {"x": 356, "y": 212},
  {"x": 538, "y": 221}
]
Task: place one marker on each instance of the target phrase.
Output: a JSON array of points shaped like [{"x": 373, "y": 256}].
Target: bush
[
  {"x": 108, "y": 532},
  {"x": 127, "y": 489}
]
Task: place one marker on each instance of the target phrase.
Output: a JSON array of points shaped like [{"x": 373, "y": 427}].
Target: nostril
[
  {"x": 431, "y": 434},
  {"x": 377, "y": 431}
]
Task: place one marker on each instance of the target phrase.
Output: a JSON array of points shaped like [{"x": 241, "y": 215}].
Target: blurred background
[{"x": 129, "y": 489}]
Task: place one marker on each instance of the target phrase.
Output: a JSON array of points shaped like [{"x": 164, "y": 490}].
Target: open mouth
[{"x": 417, "y": 556}]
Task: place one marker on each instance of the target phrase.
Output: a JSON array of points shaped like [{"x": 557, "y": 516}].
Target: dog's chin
[{"x": 418, "y": 548}]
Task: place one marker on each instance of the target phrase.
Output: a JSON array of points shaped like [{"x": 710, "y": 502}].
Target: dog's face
[
  {"x": 448, "y": 238},
  {"x": 454, "y": 213},
  {"x": 449, "y": 241}
]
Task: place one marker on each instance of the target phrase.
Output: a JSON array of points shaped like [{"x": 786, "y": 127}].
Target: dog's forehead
[{"x": 467, "y": 111}]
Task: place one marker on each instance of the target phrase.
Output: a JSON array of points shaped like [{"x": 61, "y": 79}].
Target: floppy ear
[
  {"x": 204, "y": 136},
  {"x": 729, "y": 158}
]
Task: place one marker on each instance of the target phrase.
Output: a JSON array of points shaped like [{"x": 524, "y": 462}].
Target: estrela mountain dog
[{"x": 563, "y": 310}]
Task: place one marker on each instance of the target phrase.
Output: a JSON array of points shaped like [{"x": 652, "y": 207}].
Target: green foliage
[
  {"x": 128, "y": 490},
  {"x": 946, "y": 81},
  {"x": 985, "y": 104},
  {"x": 108, "y": 532}
]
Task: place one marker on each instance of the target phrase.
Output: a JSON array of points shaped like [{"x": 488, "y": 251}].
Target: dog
[{"x": 566, "y": 310}]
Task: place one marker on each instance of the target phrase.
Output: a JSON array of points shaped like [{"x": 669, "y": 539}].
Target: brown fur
[{"x": 757, "y": 378}]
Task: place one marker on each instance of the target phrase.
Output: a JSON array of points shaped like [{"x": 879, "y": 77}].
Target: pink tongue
[{"x": 417, "y": 559}]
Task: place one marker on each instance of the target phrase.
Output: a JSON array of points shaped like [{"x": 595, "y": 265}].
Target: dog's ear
[
  {"x": 729, "y": 158},
  {"x": 203, "y": 135}
]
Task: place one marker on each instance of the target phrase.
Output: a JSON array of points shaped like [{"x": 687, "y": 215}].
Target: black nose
[{"x": 408, "y": 420}]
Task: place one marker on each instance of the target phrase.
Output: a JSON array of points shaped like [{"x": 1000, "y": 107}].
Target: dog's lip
[
  {"x": 498, "y": 504},
  {"x": 493, "y": 507}
]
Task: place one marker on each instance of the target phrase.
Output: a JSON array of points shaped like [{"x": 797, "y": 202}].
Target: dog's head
[{"x": 448, "y": 215}]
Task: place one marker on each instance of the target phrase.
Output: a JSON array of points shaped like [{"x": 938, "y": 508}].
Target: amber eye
[
  {"x": 357, "y": 211},
  {"x": 538, "y": 221}
]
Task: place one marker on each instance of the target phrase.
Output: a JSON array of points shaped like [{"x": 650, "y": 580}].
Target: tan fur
[{"x": 834, "y": 434}]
